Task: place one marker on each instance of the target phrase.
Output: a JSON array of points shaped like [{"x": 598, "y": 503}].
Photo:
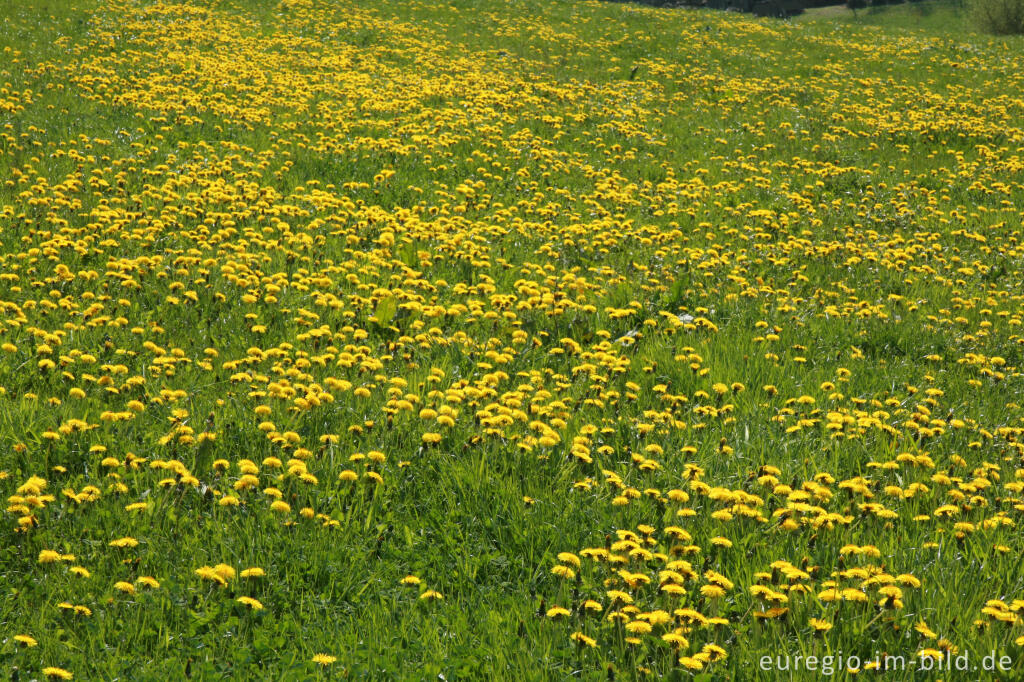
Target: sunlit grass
[{"x": 540, "y": 340}]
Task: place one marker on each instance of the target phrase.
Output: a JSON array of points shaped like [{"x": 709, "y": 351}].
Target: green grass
[
  {"x": 935, "y": 17},
  {"x": 635, "y": 268}
]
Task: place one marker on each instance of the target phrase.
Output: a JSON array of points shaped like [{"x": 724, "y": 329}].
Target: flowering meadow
[{"x": 505, "y": 340}]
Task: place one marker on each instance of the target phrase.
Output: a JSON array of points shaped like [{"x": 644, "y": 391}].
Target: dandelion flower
[
  {"x": 638, "y": 627},
  {"x": 583, "y": 640},
  {"x": 224, "y": 571},
  {"x": 819, "y": 625},
  {"x": 675, "y": 639},
  {"x": 124, "y": 542},
  {"x": 564, "y": 572},
  {"x": 253, "y": 604},
  {"x": 208, "y": 573},
  {"x": 569, "y": 558},
  {"x": 712, "y": 591}
]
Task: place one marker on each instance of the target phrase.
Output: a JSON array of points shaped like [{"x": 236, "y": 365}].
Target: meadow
[{"x": 509, "y": 340}]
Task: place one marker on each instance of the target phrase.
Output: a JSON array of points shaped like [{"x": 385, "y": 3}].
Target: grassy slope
[
  {"x": 936, "y": 17},
  {"x": 733, "y": 102}
]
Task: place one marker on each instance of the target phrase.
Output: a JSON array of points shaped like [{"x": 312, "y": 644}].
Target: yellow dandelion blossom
[
  {"x": 819, "y": 625},
  {"x": 583, "y": 640},
  {"x": 676, "y": 640},
  {"x": 712, "y": 591},
  {"x": 564, "y": 572},
  {"x": 209, "y": 573},
  {"x": 569, "y": 558},
  {"x": 253, "y": 604},
  {"x": 638, "y": 627},
  {"x": 124, "y": 542}
]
